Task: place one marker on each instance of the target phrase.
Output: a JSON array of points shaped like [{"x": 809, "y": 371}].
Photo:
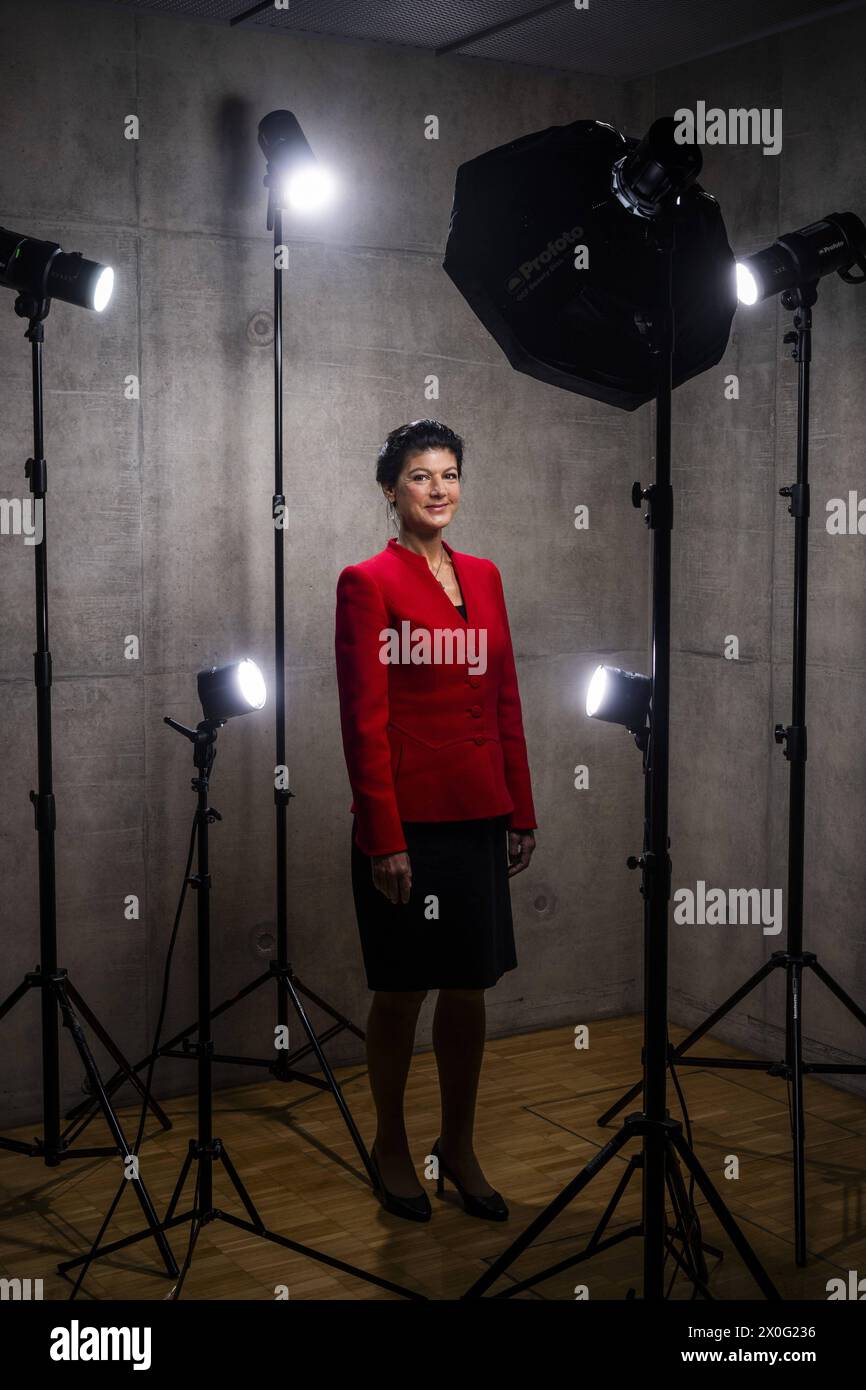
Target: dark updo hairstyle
[{"x": 415, "y": 438}]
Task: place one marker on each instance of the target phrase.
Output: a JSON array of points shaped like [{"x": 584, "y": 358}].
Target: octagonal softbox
[{"x": 521, "y": 213}]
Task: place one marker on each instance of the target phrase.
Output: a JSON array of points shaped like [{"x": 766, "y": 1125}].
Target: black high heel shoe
[
  {"x": 491, "y": 1208},
  {"x": 412, "y": 1208}
]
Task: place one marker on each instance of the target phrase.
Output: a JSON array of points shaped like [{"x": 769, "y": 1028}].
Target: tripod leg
[
  {"x": 631, "y": 1167},
  {"x": 798, "y": 1118},
  {"x": 678, "y": 1232},
  {"x": 681, "y": 1048},
  {"x": 333, "y": 1084},
  {"x": 11, "y": 1000},
  {"x": 195, "y": 1228},
  {"x": 94, "y": 1249},
  {"x": 125, "y": 1070},
  {"x": 730, "y": 1003},
  {"x": 118, "y": 1077},
  {"x": 621, "y": 1104},
  {"x": 551, "y": 1211},
  {"x": 15, "y": 1145},
  {"x": 71, "y": 1022},
  {"x": 687, "y": 1269},
  {"x": 329, "y": 1009},
  {"x": 687, "y": 1216},
  {"x": 833, "y": 987},
  {"x": 239, "y": 1188},
  {"x": 592, "y": 1247},
  {"x": 687, "y": 1228},
  {"x": 725, "y": 1219},
  {"x": 179, "y": 1185}
]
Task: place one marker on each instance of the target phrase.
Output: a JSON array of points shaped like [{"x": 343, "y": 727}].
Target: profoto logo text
[{"x": 533, "y": 271}]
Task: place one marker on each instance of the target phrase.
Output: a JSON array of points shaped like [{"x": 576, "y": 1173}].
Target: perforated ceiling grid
[{"x": 619, "y": 38}]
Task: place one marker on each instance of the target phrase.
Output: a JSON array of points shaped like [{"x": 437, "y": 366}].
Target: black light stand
[
  {"x": 280, "y": 970},
  {"x": 206, "y": 1150},
  {"x": 58, "y": 994},
  {"x": 289, "y": 987},
  {"x": 793, "y": 960},
  {"x": 661, "y": 1137}
]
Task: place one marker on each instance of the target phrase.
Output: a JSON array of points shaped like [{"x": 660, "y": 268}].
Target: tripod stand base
[
  {"x": 54, "y": 1147},
  {"x": 792, "y": 1068},
  {"x": 668, "y": 1136},
  {"x": 203, "y": 1212},
  {"x": 290, "y": 989}
]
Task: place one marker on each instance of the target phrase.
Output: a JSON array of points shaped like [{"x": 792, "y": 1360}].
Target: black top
[{"x": 461, "y": 608}]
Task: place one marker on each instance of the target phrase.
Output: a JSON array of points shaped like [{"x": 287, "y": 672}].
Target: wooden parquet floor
[{"x": 536, "y": 1128}]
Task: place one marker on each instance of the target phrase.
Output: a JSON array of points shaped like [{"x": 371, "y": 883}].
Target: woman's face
[{"x": 427, "y": 492}]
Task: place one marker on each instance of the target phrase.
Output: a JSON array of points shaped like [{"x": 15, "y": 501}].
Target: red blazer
[{"x": 433, "y": 741}]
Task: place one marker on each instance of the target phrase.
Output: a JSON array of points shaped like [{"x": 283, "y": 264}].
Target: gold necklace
[{"x": 435, "y": 573}]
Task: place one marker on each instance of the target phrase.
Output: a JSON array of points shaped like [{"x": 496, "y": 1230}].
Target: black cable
[
  {"x": 165, "y": 986},
  {"x": 91, "y": 1256},
  {"x": 194, "y": 1228},
  {"x": 685, "y": 1109},
  {"x": 690, "y": 1139},
  {"x": 152, "y": 1062},
  {"x": 647, "y": 769}
]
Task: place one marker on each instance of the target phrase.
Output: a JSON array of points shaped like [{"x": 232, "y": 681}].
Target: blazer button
[
  {"x": 475, "y": 711},
  {"x": 479, "y": 740},
  {"x": 474, "y": 681}
]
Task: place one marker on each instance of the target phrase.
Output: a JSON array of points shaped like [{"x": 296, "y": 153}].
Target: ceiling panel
[{"x": 618, "y": 38}]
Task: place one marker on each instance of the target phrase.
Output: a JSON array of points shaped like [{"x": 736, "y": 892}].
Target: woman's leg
[
  {"x": 390, "y": 1040},
  {"x": 459, "y": 1027}
]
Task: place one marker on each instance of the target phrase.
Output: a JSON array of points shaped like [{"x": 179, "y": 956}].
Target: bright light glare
[
  {"x": 747, "y": 285},
  {"x": 103, "y": 289},
  {"x": 252, "y": 684},
  {"x": 309, "y": 188},
  {"x": 596, "y": 692}
]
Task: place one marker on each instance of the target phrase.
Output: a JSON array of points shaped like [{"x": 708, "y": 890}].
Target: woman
[{"x": 442, "y": 801}]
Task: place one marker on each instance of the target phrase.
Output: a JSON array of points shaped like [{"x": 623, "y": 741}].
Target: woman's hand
[
  {"x": 392, "y": 875},
  {"x": 521, "y": 844}
]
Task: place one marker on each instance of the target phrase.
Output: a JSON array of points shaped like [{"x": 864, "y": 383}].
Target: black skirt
[{"x": 456, "y": 930}]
